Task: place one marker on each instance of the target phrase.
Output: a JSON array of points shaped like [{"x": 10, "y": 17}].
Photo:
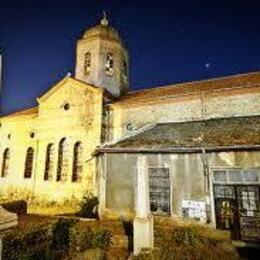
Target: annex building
[{"x": 198, "y": 142}]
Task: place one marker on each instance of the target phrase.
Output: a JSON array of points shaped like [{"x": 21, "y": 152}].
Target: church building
[{"x": 198, "y": 142}]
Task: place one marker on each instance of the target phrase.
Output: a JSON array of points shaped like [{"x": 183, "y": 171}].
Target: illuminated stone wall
[
  {"x": 198, "y": 106},
  {"x": 81, "y": 122}
]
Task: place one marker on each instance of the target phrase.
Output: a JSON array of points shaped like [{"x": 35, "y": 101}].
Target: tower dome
[
  {"x": 102, "y": 59},
  {"x": 102, "y": 30}
]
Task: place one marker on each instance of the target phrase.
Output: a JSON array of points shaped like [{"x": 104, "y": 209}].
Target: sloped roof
[
  {"x": 221, "y": 132},
  {"x": 25, "y": 112},
  {"x": 61, "y": 83},
  {"x": 216, "y": 84}
]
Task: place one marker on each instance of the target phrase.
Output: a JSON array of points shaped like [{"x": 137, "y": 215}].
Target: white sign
[{"x": 194, "y": 209}]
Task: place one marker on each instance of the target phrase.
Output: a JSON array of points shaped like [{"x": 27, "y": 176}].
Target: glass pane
[
  {"x": 220, "y": 176},
  {"x": 159, "y": 190},
  {"x": 224, "y": 191},
  {"x": 251, "y": 176},
  {"x": 235, "y": 176}
]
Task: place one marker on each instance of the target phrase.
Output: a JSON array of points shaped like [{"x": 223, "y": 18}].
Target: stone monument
[
  {"x": 143, "y": 222},
  {"x": 7, "y": 220}
]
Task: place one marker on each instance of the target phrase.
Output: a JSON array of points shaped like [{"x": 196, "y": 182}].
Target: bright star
[{"x": 207, "y": 65}]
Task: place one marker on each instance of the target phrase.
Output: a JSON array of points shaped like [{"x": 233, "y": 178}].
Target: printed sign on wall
[{"x": 194, "y": 209}]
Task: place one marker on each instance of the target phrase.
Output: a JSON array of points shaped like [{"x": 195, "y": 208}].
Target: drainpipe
[
  {"x": 205, "y": 169},
  {"x": 206, "y": 182}
]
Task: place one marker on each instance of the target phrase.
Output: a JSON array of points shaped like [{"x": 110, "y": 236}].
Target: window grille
[
  {"x": 159, "y": 190},
  {"x": 77, "y": 162},
  {"x": 62, "y": 169},
  {"x": 5, "y": 163},
  {"x": 49, "y": 163},
  {"x": 29, "y": 163}
]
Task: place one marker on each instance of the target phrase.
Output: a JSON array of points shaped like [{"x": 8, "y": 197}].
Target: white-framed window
[
  {"x": 236, "y": 175},
  {"x": 159, "y": 190}
]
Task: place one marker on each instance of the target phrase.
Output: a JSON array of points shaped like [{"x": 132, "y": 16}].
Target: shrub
[
  {"x": 85, "y": 237},
  {"x": 39, "y": 238},
  {"x": 101, "y": 238},
  {"x": 61, "y": 234},
  {"x": 26, "y": 244},
  {"x": 88, "y": 207}
]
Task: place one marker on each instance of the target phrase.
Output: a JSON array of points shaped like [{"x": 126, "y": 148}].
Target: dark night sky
[{"x": 169, "y": 41}]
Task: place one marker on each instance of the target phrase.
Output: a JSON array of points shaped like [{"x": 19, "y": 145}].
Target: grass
[
  {"x": 188, "y": 241},
  {"x": 173, "y": 239},
  {"x": 64, "y": 237}
]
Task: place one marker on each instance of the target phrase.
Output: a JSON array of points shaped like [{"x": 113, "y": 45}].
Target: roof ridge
[
  {"x": 31, "y": 110},
  {"x": 207, "y": 119},
  {"x": 193, "y": 82}
]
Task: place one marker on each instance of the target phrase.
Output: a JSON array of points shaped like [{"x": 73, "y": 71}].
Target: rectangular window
[
  {"x": 231, "y": 176},
  {"x": 220, "y": 176},
  {"x": 159, "y": 190},
  {"x": 251, "y": 176},
  {"x": 235, "y": 176}
]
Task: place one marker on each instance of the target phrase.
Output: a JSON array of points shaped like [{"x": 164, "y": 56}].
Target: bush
[
  {"x": 85, "y": 237},
  {"x": 38, "y": 238},
  {"x": 27, "y": 244},
  {"x": 70, "y": 236},
  {"x": 88, "y": 207},
  {"x": 61, "y": 234}
]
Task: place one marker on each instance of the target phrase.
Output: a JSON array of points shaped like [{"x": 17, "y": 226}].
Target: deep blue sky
[{"x": 169, "y": 41}]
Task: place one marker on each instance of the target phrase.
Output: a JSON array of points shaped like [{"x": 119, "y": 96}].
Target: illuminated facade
[{"x": 87, "y": 133}]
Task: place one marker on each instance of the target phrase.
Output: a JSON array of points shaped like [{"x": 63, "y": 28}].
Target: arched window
[
  {"x": 62, "y": 170},
  {"x": 28, "y": 163},
  {"x": 87, "y": 63},
  {"x": 109, "y": 63},
  {"x": 49, "y": 162},
  {"x": 77, "y": 162},
  {"x": 125, "y": 69},
  {"x": 5, "y": 163}
]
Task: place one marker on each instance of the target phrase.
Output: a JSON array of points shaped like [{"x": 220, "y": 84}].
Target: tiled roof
[
  {"x": 236, "y": 131},
  {"x": 217, "y": 84}
]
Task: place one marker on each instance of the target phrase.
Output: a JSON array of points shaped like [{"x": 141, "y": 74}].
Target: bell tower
[{"x": 102, "y": 59}]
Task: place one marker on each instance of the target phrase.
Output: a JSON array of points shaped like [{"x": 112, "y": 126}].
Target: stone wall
[
  {"x": 117, "y": 174},
  {"x": 81, "y": 122},
  {"x": 198, "y": 106}
]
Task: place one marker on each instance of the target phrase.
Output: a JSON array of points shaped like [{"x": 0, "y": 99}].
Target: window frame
[
  {"x": 170, "y": 185},
  {"x": 87, "y": 63},
  {"x": 109, "y": 63},
  {"x": 49, "y": 162},
  {"x": 63, "y": 160},
  {"x": 77, "y": 167},
  {"x": 28, "y": 166},
  {"x": 5, "y": 163}
]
